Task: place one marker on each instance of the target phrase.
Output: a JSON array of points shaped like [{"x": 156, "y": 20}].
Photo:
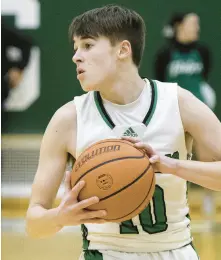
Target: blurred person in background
[
  {"x": 15, "y": 52},
  {"x": 186, "y": 61},
  {"x": 183, "y": 59}
]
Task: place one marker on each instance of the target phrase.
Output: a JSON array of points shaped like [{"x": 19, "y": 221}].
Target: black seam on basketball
[
  {"x": 106, "y": 162},
  {"x": 114, "y": 219},
  {"x": 128, "y": 185}
]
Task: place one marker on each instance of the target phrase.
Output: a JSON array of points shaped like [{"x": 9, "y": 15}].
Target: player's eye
[{"x": 88, "y": 46}]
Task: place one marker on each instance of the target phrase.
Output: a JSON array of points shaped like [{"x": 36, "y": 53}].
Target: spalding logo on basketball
[{"x": 104, "y": 181}]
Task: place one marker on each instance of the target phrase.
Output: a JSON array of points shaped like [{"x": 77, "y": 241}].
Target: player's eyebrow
[
  {"x": 85, "y": 37},
  {"x": 88, "y": 37}
]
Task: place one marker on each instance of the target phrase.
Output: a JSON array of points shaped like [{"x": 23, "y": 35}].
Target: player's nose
[{"x": 77, "y": 57}]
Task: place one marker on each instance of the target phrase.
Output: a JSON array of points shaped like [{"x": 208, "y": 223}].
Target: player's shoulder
[
  {"x": 64, "y": 116},
  {"x": 166, "y": 91},
  {"x": 184, "y": 95},
  {"x": 67, "y": 113},
  {"x": 172, "y": 91},
  {"x": 165, "y": 85}
]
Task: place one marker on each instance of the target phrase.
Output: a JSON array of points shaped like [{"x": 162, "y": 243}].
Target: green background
[{"x": 58, "y": 74}]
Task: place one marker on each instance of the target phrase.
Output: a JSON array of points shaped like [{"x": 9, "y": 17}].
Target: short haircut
[{"x": 115, "y": 22}]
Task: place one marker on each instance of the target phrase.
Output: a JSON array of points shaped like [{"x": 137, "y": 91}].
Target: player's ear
[{"x": 124, "y": 49}]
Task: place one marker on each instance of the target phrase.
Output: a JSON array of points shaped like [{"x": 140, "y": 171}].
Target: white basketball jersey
[{"x": 154, "y": 118}]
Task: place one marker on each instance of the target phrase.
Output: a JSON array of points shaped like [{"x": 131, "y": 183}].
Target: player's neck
[{"x": 125, "y": 89}]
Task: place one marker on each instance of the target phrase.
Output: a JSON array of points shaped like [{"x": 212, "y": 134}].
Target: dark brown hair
[{"x": 115, "y": 22}]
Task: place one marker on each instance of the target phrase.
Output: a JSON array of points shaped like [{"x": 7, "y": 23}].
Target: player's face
[
  {"x": 96, "y": 62},
  {"x": 191, "y": 27}
]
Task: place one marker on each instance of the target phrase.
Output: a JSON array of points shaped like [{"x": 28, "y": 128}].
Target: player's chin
[{"x": 88, "y": 87}]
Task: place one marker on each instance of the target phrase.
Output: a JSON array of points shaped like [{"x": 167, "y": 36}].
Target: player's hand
[
  {"x": 159, "y": 162},
  {"x": 71, "y": 212}
]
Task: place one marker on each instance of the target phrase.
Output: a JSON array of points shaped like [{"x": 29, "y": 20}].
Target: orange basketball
[{"x": 119, "y": 174}]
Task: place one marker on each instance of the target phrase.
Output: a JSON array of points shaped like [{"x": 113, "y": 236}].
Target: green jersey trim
[
  {"x": 84, "y": 232},
  {"x": 153, "y": 103},
  {"x": 106, "y": 117},
  {"x": 93, "y": 255},
  {"x": 102, "y": 111}
]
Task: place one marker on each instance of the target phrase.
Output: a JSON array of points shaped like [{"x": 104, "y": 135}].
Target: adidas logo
[{"x": 130, "y": 132}]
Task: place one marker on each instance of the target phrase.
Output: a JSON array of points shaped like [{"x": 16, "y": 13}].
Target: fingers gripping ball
[{"x": 119, "y": 174}]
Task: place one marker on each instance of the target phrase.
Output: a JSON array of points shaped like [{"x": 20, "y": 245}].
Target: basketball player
[{"x": 108, "y": 45}]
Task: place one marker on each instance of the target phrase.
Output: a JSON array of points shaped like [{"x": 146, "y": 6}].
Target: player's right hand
[{"x": 71, "y": 212}]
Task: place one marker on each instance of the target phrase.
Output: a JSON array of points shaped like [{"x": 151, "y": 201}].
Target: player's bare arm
[
  {"x": 201, "y": 123},
  {"x": 58, "y": 141},
  {"x": 205, "y": 128}
]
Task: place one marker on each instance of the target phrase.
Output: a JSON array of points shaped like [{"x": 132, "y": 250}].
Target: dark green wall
[{"x": 58, "y": 82}]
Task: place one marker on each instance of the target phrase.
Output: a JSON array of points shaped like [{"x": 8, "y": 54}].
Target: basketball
[{"x": 119, "y": 174}]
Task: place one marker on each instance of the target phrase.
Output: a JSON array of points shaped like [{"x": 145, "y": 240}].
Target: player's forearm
[
  {"x": 206, "y": 174},
  {"x": 41, "y": 222}
]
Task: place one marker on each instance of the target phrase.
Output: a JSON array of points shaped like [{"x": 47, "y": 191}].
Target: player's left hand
[{"x": 159, "y": 162}]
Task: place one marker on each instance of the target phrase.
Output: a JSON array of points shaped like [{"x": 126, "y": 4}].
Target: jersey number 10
[{"x": 146, "y": 218}]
